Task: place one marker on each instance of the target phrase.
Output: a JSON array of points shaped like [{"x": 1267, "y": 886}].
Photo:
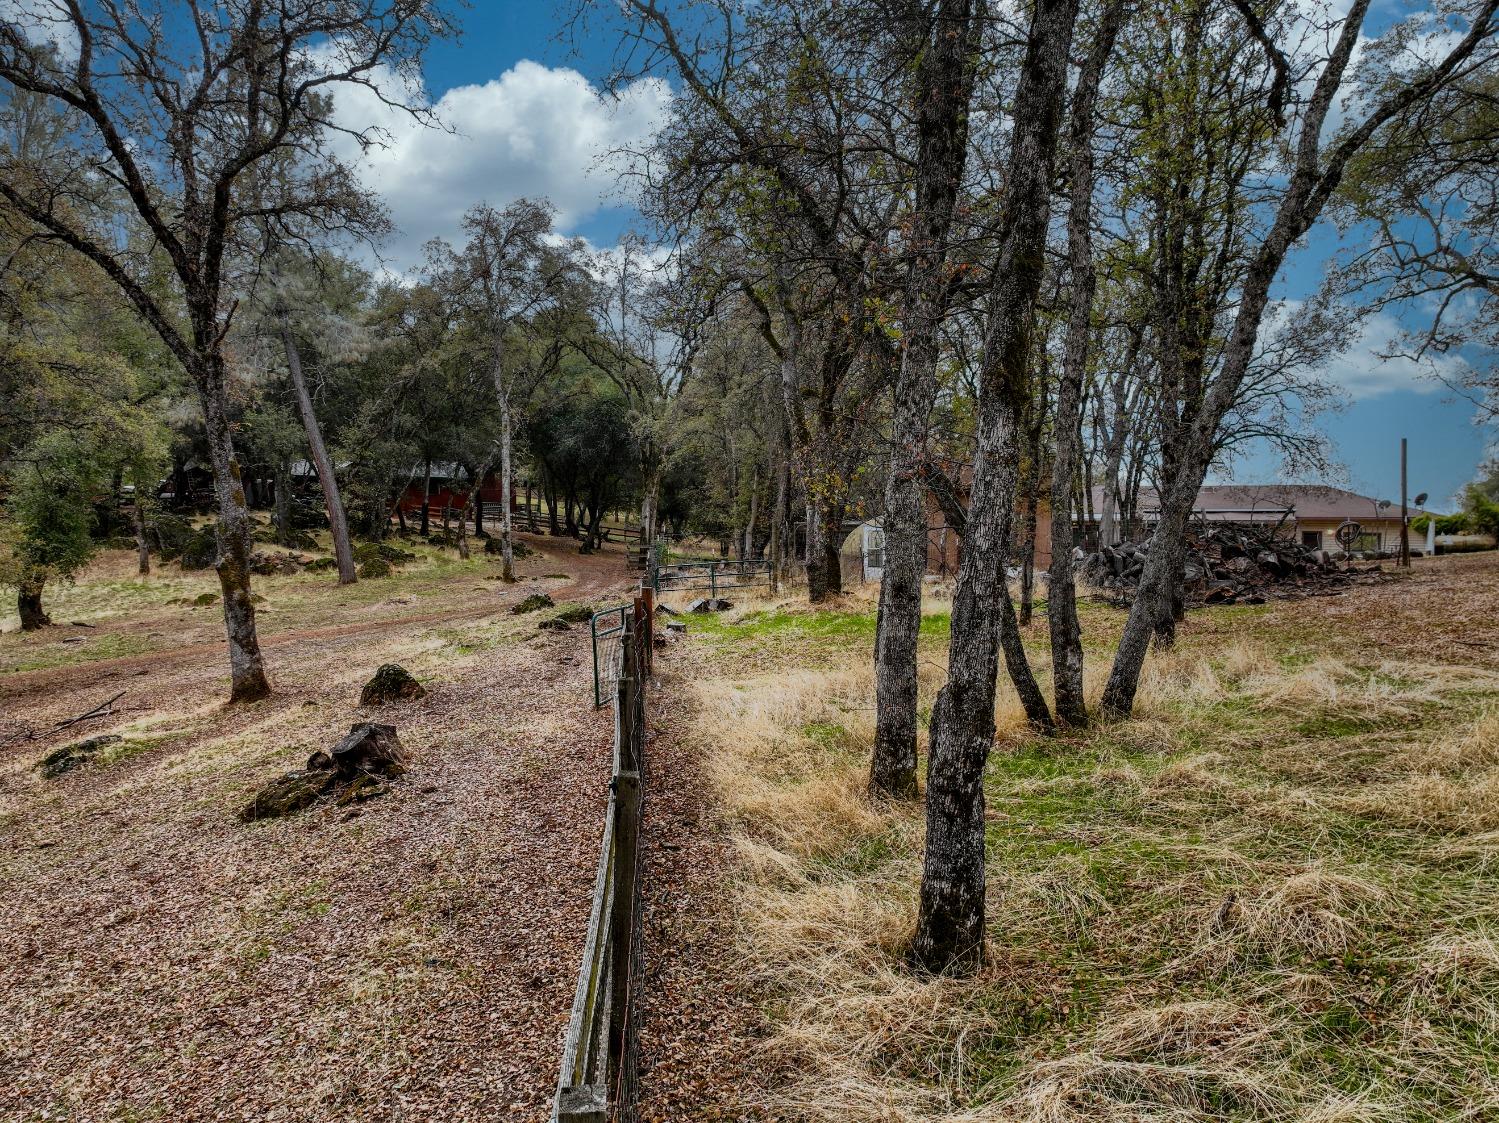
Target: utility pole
[{"x": 1405, "y": 522}]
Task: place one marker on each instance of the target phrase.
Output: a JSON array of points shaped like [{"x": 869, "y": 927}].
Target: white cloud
[
  {"x": 41, "y": 22},
  {"x": 534, "y": 131},
  {"x": 1363, "y": 372}
]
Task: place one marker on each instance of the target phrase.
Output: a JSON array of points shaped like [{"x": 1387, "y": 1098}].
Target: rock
[
  {"x": 555, "y": 624},
  {"x": 375, "y": 567},
  {"x": 575, "y": 614},
  {"x": 268, "y": 565},
  {"x": 321, "y": 565},
  {"x": 535, "y": 602},
  {"x": 676, "y": 627},
  {"x": 69, "y": 757},
  {"x": 203, "y": 600},
  {"x": 392, "y": 683},
  {"x": 288, "y": 794},
  {"x": 370, "y": 748},
  {"x": 709, "y": 604},
  {"x": 369, "y": 551},
  {"x": 201, "y": 550}
]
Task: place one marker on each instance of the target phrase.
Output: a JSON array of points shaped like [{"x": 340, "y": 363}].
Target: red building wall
[{"x": 443, "y": 494}]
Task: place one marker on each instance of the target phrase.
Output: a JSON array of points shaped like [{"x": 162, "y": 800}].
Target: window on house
[{"x": 1312, "y": 538}]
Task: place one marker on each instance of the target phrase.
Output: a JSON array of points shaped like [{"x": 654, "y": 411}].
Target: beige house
[{"x": 1312, "y": 513}]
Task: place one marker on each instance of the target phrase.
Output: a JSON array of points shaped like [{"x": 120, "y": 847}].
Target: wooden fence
[{"x": 600, "y": 1056}]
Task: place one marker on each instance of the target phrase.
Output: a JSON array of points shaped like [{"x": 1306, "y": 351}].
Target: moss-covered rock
[
  {"x": 375, "y": 567},
  {"x": 576, "y": 614},
  {"x": 321, "y": 565},
  {"x": 392, "y": 683},
  {"x": 69, "y": 757},
  {"x": 201, "y": 551},
  {"x": 166, "y": 534},
  {"x": 203, "y": 600},
  {"x": 534, "y": 603}
]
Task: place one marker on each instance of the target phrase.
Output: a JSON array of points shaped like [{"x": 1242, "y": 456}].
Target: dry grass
[{"x": 1270, "y": 896}]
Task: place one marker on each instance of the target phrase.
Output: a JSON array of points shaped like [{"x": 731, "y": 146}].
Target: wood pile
[{"x": 1231, "y": 564}]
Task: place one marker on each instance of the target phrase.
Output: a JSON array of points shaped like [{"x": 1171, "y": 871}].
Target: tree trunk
[
  {"x": 29, "y": 601},
  {"x": 507, "y": 544},
  {"x": 142, "y": 547},
  {"x": 282, "y": 517},
  {"x": 1031, "y": 483},
  {"x": 474, "y": 501},
  {"x": 248, "y": 681},
  {"x": 343, "y": 550},
  {"x": 1061, "y": 597},
  {"x": 426, "y": 496},
  {"x": 944, "y": 89},
  {"x": 951, "y": 924}
]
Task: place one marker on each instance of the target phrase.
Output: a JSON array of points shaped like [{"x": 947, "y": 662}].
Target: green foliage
[{"x": 1446, "y": 524}]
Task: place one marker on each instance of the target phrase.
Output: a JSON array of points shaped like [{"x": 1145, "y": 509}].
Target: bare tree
[
  {"x": 181, "y": 120},
  {"x": 942, "y": 39},
  {"x": 1066, "y": 633},
  {"x": 504, "y": 273},
  {"x": 1317, "y": 167},
  {"x": 950, "y": 926}
]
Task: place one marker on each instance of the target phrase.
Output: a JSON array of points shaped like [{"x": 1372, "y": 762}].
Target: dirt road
[{"x": 410, "y": 959}]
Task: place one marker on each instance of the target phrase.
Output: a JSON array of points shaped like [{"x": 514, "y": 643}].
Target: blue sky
[{"x": 531, "y": 120}]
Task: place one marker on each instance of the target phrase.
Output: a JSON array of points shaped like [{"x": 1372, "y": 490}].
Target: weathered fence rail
[
  {"x": 712, "y": 576},
  {"x": 600, "y": 1055}
]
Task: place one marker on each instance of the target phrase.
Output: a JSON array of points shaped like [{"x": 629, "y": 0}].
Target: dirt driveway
[{"x": 409, "y": 959}]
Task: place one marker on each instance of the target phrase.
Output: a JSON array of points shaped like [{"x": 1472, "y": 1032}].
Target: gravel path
[{"x": 410, "y": 959}]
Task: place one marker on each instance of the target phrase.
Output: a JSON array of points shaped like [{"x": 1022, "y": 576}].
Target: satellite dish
[
  {"x": 1384, "y": 503},
  {"x": 1421, "y": 500}
]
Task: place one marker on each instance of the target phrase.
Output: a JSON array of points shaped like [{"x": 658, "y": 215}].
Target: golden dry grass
[{"x": 1269, "y": 896}]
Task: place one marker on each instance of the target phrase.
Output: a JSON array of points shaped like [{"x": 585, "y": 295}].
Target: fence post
[
  {"x": 648, "y": 603},
  {"x": 713, "y": 580}
]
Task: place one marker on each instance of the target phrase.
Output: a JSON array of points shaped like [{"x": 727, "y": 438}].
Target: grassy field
[{"x": 1269, "y": 896}]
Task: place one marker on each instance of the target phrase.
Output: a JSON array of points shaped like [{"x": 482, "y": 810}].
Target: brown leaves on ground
[{"x": 407, "y": 959}]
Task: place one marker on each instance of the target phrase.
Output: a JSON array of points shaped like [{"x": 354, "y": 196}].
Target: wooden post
[{"x": 1405, "y": 526}]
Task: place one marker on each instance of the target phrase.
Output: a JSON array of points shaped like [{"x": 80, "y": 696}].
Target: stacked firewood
[{"x": 1232, "y": 564}]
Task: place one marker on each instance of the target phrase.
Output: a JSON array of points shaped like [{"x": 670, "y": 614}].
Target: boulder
[
  {"x": 69, "y": 757},
  {"x": 375, "y": 567},
  {"x": 203, "y": 600},
  {"x": 534, "y": 603},
  {"x": 709, "y": 604},
  {"x": 201, "y": 550},
  {"x": 392, "y": 683}
]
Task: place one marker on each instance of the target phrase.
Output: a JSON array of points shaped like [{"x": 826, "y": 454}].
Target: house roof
[{"x": 1245, "y": 502}]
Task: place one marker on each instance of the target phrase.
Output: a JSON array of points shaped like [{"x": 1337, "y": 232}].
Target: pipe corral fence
[
  {"x": 712, "y": 576},
  {"x": 600, "y": 1055}
]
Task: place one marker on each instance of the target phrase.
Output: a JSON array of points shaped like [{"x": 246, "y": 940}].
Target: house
[{"x": 1309, "y": 513}]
